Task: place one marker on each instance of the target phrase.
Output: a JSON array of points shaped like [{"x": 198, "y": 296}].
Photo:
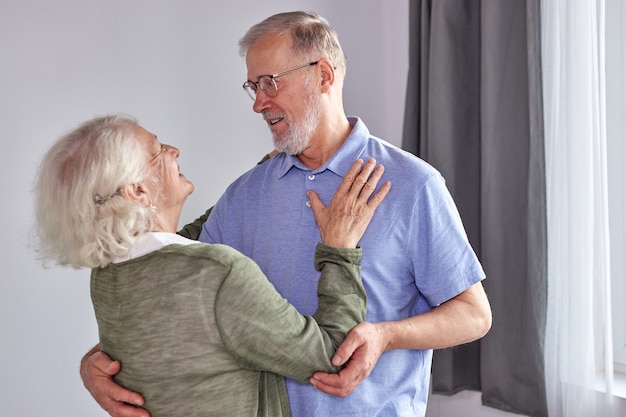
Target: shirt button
[
  {"x": 308, "y": 204},
  {"x": 311, "y": 177}
]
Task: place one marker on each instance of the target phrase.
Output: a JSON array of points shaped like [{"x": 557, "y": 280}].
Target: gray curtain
[{"x": 474, "y": 111}]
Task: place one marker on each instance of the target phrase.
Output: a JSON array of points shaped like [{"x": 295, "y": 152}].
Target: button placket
[{"x": 310, "y": 177}]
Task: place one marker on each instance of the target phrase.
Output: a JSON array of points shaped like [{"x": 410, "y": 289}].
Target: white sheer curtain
[{"x": 579, "y": 359}]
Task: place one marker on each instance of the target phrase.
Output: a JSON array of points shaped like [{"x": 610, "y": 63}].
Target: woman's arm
[
  {"x": 97, "y": 369},
  {"x": 264, "y": 331}
]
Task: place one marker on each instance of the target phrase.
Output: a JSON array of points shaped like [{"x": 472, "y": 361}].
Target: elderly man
[{"x": 422, "y": 278}]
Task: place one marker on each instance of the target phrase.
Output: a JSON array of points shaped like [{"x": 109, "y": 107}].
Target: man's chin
[
  {"x": 286, "y": 145},
  {"x": 279, "y": 145}
]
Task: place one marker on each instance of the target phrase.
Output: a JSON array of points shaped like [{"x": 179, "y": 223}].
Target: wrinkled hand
[
  {"x": 343, "y": 222},
  {"x": 361, "y": 350},
  {"x": 97, "y": 371}
]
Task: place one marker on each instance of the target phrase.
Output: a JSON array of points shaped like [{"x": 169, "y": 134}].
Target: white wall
[{"x": 174, "y": 65}]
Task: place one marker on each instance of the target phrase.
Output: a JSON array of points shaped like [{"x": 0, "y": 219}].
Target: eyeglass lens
[{"x": 268, "y": 85}]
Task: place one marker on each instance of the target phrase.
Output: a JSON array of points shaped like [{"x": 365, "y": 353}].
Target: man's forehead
[
  {"x": 269, "y": 47},
  {"x": 266, "y": 62}
]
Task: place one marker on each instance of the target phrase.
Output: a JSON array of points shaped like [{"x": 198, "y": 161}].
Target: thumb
[
  {"x": 344, "y": 351},
  {"x": 338, "y": 360},
  {"x": 113, "y": 368},
  {"x": 314, "y": 199}
]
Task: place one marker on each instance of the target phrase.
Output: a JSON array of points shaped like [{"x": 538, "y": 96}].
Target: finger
[
  {"x": 113, "y": 368},
  {"x": 103, "y": 363},
  {"x": 350, "y": 177},
  {"x": 362, "y": 177},
  {"x": 378, "y": 198},
  {"x": 123, "y": 395},
  {"x": 326, "y": 388},
  {"x": 125, "y": 410},
  {"x": 114, "y": 396},
  {"x": 370, "y": 183},
  {"x": 333, "y": 384},
  {"x": 323, "y": 382}
]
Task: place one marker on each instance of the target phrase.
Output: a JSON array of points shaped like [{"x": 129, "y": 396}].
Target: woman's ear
[{"x": 137, "y": 193}]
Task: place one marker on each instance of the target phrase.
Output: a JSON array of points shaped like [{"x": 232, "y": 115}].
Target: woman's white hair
[{"x": 82, "y": 220}]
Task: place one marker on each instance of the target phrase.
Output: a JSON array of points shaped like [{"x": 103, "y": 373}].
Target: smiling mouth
[{"x": 272, "y": 118}]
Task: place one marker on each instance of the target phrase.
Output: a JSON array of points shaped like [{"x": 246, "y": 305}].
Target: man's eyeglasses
[{"x": 267, "y": 83}]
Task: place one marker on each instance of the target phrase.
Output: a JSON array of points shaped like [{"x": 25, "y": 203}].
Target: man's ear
[
  {"x": 328, "y": 74},
  {"x": 137, "y": 193}
]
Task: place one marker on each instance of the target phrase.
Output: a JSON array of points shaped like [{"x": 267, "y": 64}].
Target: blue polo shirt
[{"x": 415, "y": 256}]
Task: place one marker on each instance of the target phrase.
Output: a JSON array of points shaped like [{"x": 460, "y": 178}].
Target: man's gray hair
[{"x": 311, "y": 34}]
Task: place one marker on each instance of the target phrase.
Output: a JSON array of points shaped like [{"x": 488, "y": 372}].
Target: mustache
[{"x": 268, "y": 115}]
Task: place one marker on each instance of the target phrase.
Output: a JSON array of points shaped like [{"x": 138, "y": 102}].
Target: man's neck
[{"x": 325, "y": 143}]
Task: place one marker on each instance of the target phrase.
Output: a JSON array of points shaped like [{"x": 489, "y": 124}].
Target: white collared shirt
[{"x": 153, "y": 241}]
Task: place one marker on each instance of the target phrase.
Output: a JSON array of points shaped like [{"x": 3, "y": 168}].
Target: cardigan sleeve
[{"x": 266, "y": 333}]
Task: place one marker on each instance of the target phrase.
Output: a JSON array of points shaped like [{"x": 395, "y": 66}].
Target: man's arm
[
  {"x": 97, "y": 371},
  {"x": 193, "y": 229},
  {"x": 460, "y": 320}
]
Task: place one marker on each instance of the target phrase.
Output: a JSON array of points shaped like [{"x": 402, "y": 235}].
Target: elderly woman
[{"x": 198, "y": 327}]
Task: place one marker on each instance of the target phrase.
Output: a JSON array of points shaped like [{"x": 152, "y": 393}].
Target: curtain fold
[
  {"x": 474, "y": 111},
  {"x": 578, "y": 350}
]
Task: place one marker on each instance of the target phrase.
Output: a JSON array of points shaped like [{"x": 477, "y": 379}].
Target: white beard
[{"x": 298, "y": 134}]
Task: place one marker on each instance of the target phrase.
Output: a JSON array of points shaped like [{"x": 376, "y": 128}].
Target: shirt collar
[
  {"x": 153, "y": 241},
  {"x": 342, "y": 160}
]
